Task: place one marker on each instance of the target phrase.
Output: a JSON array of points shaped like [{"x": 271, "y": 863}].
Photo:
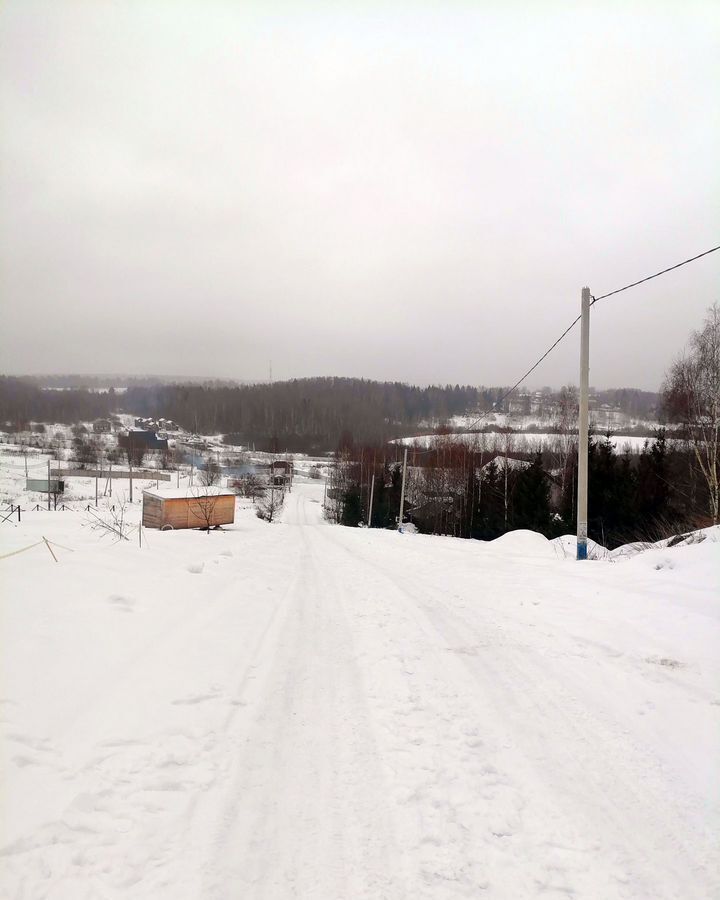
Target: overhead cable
[
  {"x": 656, "y": 275},
  {"x": 569, "y": 329}
]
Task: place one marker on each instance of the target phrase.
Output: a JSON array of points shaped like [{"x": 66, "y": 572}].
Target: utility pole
[
  {"x": 130, "y": 456},
  {"x": 96, "y": 488},
  {"x": 372, "y": 491},
  {"x": 402, "y": 490},
  {"x": 582, "y": 507},
  {"x": 48, "y": 484}
]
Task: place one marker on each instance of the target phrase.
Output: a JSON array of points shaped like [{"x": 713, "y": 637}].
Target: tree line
[
  {"x": 484, "y": 490},
  {"x": 476, "y": 491},
  {"x": 303, "y": 415},
  {"x": 308, "y": 415}
]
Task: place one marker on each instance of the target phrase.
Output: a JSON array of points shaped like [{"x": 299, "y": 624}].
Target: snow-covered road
[{"x": 302, "y": 710}]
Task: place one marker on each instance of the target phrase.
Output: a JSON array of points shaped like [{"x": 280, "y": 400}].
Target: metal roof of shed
[{"x": 188, "y": 493}]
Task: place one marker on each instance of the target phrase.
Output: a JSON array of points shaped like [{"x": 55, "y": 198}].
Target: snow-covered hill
[{"x": 302, "y": 710}]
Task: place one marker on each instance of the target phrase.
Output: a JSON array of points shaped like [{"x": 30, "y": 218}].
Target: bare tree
[
  {"x": 212, "y": 471},
  {"x": 566, "y": 421},
  {"x": 691, "y": 396},
  {"x": 270, "y": 505},
  {"x": 135, "y": 452},
  {"x": 202, "y": 508},
  {"x": 110, "y": 520},
  {"x": 251, "y": 485}
]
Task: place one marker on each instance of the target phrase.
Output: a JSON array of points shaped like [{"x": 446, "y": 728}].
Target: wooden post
[
  {"x": 49, "y": 547},
  {"x": 372, "y": 492},
  {"x": 96, "y": 489},
  {"x": 48, "y": 487}
]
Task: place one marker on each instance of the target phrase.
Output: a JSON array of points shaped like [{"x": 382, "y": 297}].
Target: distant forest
[{"x": 303, "y": 415}]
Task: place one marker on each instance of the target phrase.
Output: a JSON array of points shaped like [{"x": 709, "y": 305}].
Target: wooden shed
[{"x": 189, "y": 507}]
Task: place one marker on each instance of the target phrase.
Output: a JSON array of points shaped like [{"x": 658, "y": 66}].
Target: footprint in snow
[
  {"x": 120, "y": 603},
  {"x": 191, "y": 701},
  {"x": 665, "y": 661}
]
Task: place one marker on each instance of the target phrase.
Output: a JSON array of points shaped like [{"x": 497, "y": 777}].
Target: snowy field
[
  {"x": 520, "y": 441},
  {"x": 303, "y": 710}
]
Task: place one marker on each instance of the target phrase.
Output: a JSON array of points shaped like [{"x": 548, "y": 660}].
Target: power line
[
  {"x": 529, "y": 371},
  {"x": 656, "y": 275},
  {"x": 569, "y": 329}
]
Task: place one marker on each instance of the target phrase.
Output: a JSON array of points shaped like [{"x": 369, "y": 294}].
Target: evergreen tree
[
  {"x": 531, "y": 498},
  {"x": 352, "y": 507},
  {"x": 491, "y": 504},
  {"x": 653, "y": 492}
]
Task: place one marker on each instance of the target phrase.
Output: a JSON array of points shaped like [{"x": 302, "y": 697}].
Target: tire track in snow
[
  {"x": 306, "y": 812},
  {"x": 554, "y": 745}
]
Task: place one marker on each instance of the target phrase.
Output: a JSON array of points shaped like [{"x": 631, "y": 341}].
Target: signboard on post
[{"x": 56, "y": 485}]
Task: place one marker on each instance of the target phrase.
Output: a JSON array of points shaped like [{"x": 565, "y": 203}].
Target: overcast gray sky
[{"x": 405, "y": 191}]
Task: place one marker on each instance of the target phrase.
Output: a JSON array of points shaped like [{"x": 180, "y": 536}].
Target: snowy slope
[{"x": 302, "y": 710}]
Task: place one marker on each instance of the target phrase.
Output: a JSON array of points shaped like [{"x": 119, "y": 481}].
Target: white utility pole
[
  {"x": 402, "y": 490},
  {"x": 372, "y": 491},
  {"x": 582, "y": 506}
]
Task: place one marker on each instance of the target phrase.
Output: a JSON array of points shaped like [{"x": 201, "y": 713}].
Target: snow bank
[{"x": 522, "y": 543}]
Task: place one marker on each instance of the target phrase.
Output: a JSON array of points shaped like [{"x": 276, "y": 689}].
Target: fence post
[
  {"x": 49, "y": 547},
  {"x": 18, "y": 512}
]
